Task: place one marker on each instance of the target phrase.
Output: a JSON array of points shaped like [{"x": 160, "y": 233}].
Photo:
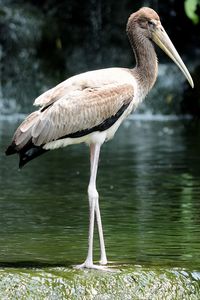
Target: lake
[{"x": 149, "y": 186}]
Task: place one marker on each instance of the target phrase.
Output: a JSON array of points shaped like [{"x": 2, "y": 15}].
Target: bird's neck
[{"x": 146, "y": 68}]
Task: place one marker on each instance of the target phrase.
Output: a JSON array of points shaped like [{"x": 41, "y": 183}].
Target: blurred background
[
  {"x": 43, "y": 42},
  {"x": 149, "y": 175}
]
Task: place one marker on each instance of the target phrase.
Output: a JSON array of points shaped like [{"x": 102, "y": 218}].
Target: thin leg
[
  {"x": 103, "y": 258},
  {"x": 94, "y": 208}
]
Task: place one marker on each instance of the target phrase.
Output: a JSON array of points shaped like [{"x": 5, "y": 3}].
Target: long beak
[{"x": 161, "y": 38}]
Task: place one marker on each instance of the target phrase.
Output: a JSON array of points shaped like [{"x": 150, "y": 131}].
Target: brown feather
[{"x": 79, "y": 111}]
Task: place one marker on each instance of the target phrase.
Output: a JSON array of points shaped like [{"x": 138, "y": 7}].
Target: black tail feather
[
  {"x": 27, "y": 153},
  {"x": 11, "y": 149}
]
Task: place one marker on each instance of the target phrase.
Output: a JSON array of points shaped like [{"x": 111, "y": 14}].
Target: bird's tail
[
  {"x": 27, "y": 153},
  {"x": 22, "y": 142}
]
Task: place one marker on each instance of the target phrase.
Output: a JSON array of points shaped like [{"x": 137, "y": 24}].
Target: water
[{"x": 149, "y": 186}]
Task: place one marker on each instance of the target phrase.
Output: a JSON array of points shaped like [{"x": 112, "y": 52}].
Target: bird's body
[
  {"x": 96, "y": 101},
  {"x": 90, "y": 107},
  {"x": 95, "y": 104}
]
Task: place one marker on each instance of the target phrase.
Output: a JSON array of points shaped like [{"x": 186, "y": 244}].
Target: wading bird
[{"x": 90, "y": 107}]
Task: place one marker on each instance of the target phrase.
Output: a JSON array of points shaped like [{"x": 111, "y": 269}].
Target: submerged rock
[{"x": 125, "y": 282}]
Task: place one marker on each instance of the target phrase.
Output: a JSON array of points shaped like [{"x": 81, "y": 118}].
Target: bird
[{"x": 90, "y": 107}]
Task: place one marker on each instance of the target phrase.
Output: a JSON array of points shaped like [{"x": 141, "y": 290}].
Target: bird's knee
[{"x": 92, "y": 193}]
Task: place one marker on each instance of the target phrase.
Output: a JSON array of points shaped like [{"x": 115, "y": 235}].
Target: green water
[{"x": 149, "y": 186}]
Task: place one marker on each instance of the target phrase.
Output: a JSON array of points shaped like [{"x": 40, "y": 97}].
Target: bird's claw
[{"x": 91, "y": 265}]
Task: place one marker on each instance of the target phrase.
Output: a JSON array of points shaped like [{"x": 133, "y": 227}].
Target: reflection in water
[{"x": 149, "y": 185}]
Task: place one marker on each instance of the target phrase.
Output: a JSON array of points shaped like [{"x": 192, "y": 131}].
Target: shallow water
[{"x": 149, "y": 186}]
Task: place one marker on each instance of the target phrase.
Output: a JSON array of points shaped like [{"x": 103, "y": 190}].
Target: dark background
[{"x": 44, "y": 42}]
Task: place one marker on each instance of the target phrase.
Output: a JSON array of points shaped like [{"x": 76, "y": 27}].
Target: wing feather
[{"x": 79, "y": 111}]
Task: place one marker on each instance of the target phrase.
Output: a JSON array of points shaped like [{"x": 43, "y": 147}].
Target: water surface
[{"x": 149, "y": 186}]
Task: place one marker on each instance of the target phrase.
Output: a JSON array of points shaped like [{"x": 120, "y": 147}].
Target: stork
[{"x": 89, "y": 108}]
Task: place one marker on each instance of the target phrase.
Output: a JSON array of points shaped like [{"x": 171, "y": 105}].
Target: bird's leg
[
  {"x": 93, "y": 199},
  {"x": 103, "y": 258},
  {"x": 93, "y": 196}
]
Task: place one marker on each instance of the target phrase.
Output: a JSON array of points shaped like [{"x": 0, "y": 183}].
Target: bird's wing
[
  {"x": 54, "y": 94},
  {"x": 82, "y": 82},
  {"x": 75, "y": 83},
  {"x": 76, "y": 112}
]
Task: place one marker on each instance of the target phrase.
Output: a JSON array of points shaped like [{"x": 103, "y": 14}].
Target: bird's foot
[{"x": 90, "y": 265}]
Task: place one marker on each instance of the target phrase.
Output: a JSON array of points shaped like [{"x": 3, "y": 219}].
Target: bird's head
[{"x": 147, "y": 23}]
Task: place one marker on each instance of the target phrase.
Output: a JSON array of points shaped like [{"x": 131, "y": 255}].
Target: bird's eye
[{"x": 151, "y": 23}]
